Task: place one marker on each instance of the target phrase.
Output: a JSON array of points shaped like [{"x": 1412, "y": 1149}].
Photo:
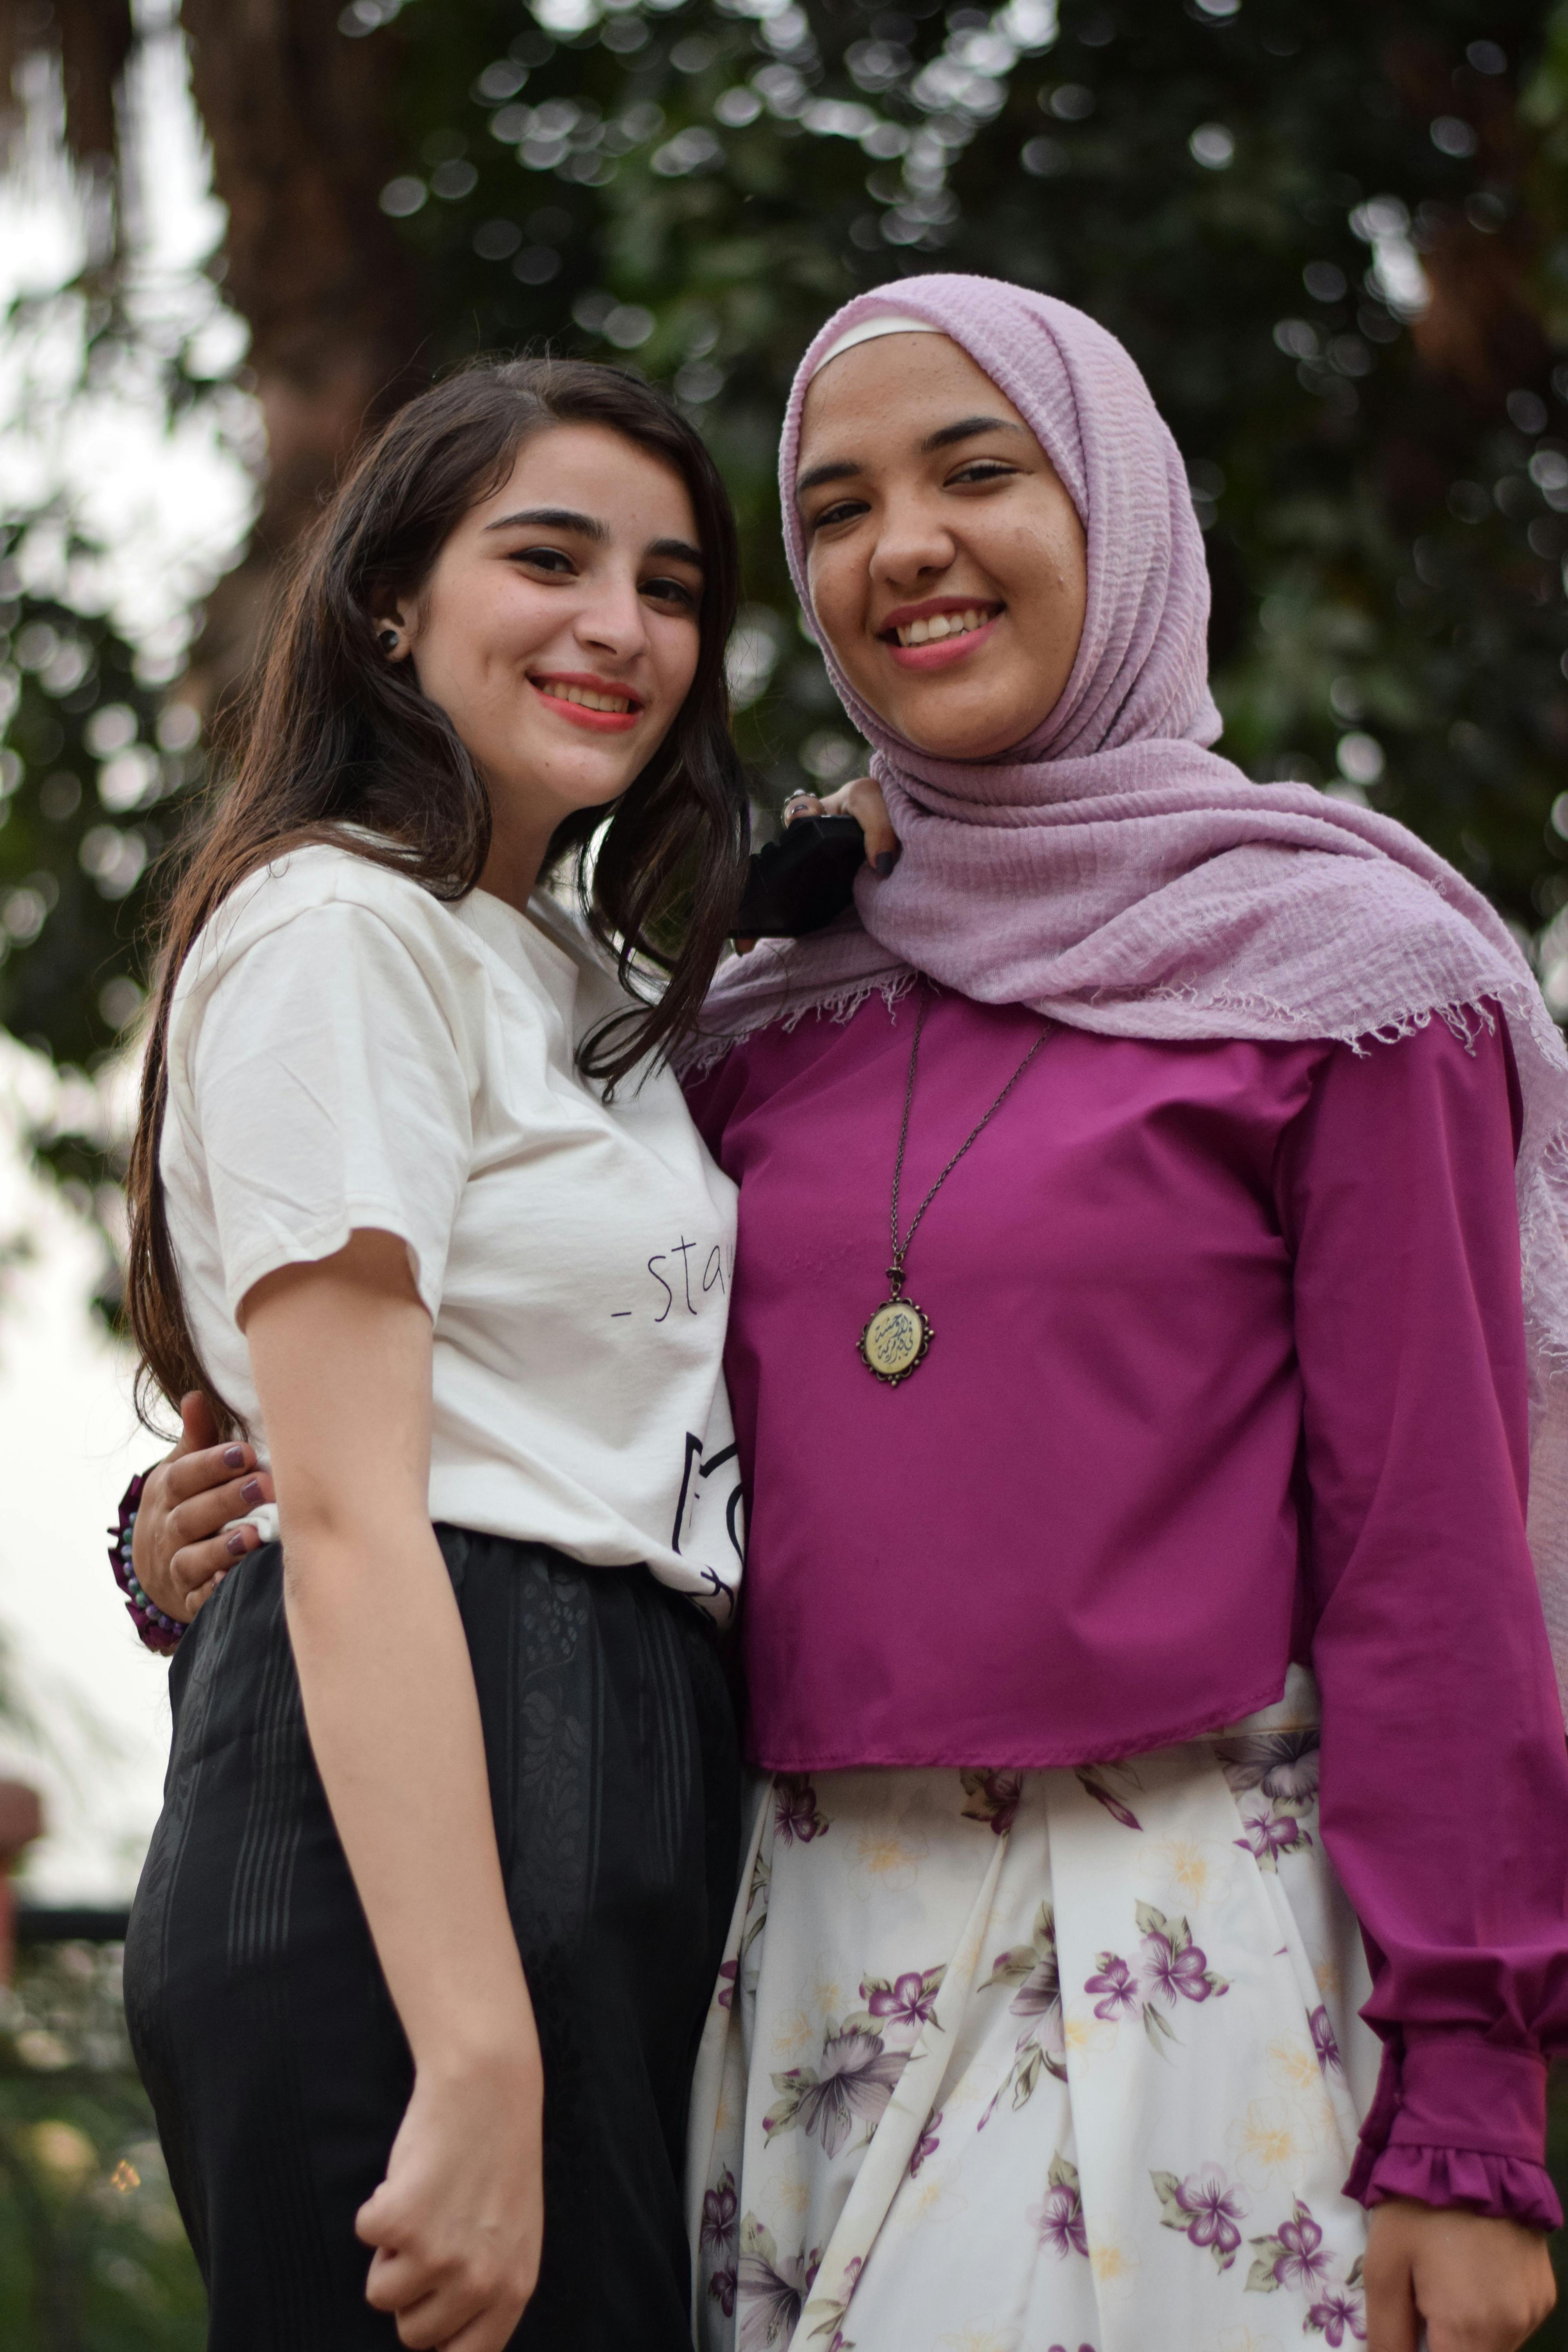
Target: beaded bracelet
[{"x": 159, "y": 1632}]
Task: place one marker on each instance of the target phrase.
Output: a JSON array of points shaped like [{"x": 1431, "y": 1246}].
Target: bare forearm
[
  {"x": 394, "y": 1721},
  {"x": 342, "y": 1353}
]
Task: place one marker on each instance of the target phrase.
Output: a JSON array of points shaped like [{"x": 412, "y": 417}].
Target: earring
[{"x": 387, "y": 641}]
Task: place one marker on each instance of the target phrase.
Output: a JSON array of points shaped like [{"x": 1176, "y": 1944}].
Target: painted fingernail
[
  {"x": 884, "y": 862},
  {"x": 236, "y": 1545},
  {"x": 251, "y": 1492},
  {"x": 234, "y": 1457}
]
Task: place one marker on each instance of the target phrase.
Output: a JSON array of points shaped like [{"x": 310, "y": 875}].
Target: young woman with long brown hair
[{"x": 430, "y": 1918}]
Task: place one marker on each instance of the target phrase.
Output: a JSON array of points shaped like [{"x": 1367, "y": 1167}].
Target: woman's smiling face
[
  {"x": 558, "y": 628},
  {"x": 947, "y": 565}
]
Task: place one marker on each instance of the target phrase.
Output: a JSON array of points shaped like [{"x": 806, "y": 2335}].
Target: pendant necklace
[{"x": 895, "y": 1341}]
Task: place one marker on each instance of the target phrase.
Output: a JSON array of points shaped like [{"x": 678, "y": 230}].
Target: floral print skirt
[{"x": 1038, "y": 2062}]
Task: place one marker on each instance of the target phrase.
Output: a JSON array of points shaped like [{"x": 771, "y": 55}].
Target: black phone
[{"x": 798, "y": 882}]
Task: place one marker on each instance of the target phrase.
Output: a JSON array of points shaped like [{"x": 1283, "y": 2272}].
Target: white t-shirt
[{"x": 346, "y": 1052}]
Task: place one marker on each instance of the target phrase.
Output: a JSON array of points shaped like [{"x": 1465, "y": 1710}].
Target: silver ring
[{"x": 796, "y": 800}]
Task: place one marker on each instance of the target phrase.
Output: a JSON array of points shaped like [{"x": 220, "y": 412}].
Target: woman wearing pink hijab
[{"x": 1164, "y": 1872}]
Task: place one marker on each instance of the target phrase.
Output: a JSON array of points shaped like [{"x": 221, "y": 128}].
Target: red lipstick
[{"x": 597, "y": 722}]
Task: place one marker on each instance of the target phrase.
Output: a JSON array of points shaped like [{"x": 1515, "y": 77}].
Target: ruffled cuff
[
  {"x": 1499, "y": 2185},
  {"x": 1458, "y": 2121}
]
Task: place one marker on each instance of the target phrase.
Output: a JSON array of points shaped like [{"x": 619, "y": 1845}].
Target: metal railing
[{"x": 43, "y": 1923}]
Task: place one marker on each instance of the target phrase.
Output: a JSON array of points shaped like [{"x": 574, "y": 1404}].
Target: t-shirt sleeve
[{"x": 329, "y": 1096}]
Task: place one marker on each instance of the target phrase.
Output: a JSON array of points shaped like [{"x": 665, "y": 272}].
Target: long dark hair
[{"x": 333, "y": 735}]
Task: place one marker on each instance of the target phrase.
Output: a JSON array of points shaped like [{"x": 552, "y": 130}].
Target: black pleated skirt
[{"x": 261, "y": 2022}]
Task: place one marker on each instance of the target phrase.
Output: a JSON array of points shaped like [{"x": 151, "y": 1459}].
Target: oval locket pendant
[{"x": 895, "y": 1341}]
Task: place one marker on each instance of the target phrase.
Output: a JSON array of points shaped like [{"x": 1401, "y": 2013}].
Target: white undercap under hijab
[{"x": 885, "y": 323}]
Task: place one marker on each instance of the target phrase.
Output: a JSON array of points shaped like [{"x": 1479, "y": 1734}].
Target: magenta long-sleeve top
[{"x": 1229, "y": 1369}]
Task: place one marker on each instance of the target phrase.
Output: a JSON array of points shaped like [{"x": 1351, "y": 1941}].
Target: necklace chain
[{"x": 901, "y": 1248}]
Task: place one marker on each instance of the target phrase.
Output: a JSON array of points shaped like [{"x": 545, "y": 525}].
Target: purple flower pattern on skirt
[
  {"x": 990, "y": 1797},
  {"x": 1270, "y": 1832},
  {"x": 1042, "y": 2045},
  {"x": 1323, "y": 2042},
  {"x": 1279, "y": 1771},
  {"x": 1283, "y": 1764},
  {"x": 796, "y": 1819},
  {"x": 1207, "y": 2207},
  {"x": 1175, "y": 1968},
  {"x": 1095, "y": 1780},
  {"x": 717, "y": 2240},
  {"x": 1115, "y": 1987},
  {"x": 857, "y": 2077},
  {"x": 766, "y": 2282},
  {"x": 836, "y": 2310},
  {"x": 1335, "y": 2317},
  {"x": 771, "y": 2288},
  {"x": 904, "y": 2004},
  {"x": 928, "y": 2142},
  {"x": 757, "y": 1896},
  {"x": 1296, "y": 2252},
  {"x": 719, "y": 2215},
  {"x": 1295, "y": 2257},
  {"x": 1170, "y": 1969},
  {"x": 1057, "y": 2219}
]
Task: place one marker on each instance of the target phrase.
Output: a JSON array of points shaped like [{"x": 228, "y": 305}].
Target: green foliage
[
  {"x": 85, "y": 794},
  {"x": 92, "y": 776},
  {"x": 1241, "y": 194},
  {"x": 1245, "y": 193},
  {"x": 93, "y": 2255}
]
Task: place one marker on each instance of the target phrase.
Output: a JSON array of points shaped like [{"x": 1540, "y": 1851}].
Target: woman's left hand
[{"x": 1476, "y": 2284}]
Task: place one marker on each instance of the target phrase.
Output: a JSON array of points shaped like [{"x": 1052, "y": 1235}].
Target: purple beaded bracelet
[{"x": 159, "y": 1632}]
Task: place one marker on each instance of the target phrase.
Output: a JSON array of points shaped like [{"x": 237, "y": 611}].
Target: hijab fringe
[{"x": 703, "y": 1052}]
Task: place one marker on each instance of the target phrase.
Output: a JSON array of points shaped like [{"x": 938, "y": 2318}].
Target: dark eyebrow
[
  {"x": 672, "y": 551},
  {"x": 966, "y": 430},
  {"x": 838, "y": 469},
  {"x": 552, "y": 518}
]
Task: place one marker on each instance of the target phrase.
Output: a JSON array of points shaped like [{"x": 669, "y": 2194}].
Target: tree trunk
[
  {"x": 297, "y": 117},
  {"x": 1482, "y": 333}
]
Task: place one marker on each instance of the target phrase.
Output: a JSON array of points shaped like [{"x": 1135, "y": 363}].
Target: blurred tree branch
[
  {"x": 1334, "y": 234},
  {"x": 300, "y": 121},
  {"x": 93, "y": 40}
]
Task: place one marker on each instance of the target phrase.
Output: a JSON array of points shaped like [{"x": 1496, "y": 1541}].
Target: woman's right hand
[
  {"x": 861, "y": 798},
  {"x": 459, "y": 2222},
  {"x": 179, "y": 1550},
  {"x": 342, "y": 1350}
]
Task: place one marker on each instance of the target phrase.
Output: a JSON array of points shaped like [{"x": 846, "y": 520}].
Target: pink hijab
[{"x": 1116, "y": 874}]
